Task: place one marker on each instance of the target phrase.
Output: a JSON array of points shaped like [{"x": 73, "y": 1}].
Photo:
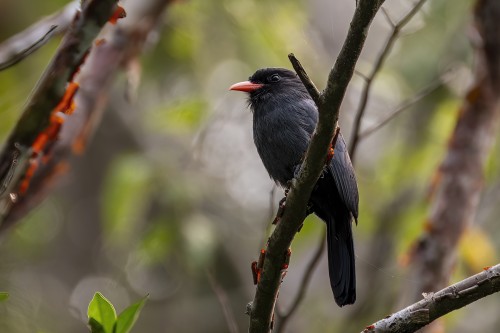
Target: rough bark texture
[
  {"x": 460, "y": 176},
  {"x": 435, "y": 305},
  {"x": 122, "y": 44},
  {"x": 47, "y": 95}
]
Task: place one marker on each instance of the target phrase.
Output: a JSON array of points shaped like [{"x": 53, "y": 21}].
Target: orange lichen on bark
[
  {"x": 288, "y": 254},
  {"x": 119, "y": 13},
  {"x": 30, "y": 171},
  {"x": 49, "y": 134},
  {"x": 40, "y": 142},
  {"x": 67, "y": 105}
]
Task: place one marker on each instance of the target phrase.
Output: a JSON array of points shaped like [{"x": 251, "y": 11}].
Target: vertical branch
[
  {"x": 460, "y": 175},
  {"x": 283, "y": 319}
]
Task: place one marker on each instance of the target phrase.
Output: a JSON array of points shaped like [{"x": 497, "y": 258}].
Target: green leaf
[
  {"x": 95, "y": 326},
  {"x": 128, "y": 317},
  {"x": 101, "y": 311},
  {"x": 4, "y": 295}
]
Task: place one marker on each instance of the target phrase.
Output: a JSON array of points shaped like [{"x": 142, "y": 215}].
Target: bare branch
[
  {"x": 435, "y": 305},
  {"x": 426, "y": 91},
  {"x": 123, "y": 43},
  {"x": 16, "y": 58},
  {"x": 47, "y": 96},
  {"x": 301, "y": 73},
  {"x": 306, "y": 279},
  {"x": 353, "y": 144},
  {"x": 18, "y": 47},
  {"x": 262, "y": 308}
]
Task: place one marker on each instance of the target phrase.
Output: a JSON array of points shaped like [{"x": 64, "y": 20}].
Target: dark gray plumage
[{"x": 284, "y": 118}]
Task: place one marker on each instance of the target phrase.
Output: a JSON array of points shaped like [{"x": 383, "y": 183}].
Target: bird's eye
[{"x": 274, "y": 78}]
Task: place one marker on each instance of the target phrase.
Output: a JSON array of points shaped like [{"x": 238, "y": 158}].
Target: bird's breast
[{"x": 281, "y": 143}]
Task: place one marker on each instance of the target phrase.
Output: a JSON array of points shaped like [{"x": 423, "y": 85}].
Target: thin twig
[
  {"x": 262, "y": 308},
  {"x": 426, "y": 91},
  {"x": 28, "y": 50},
  {"x": 19, "y": 46},
  {"x": 435, "y": 305},
  {"x": 396, "y": 29},
  {"x": 224, "y": 303},
  {"x": 306, "y": 279},
  {"x": 306, "y": 81}
]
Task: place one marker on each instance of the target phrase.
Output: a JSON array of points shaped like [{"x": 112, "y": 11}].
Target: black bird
[{"x": 284, "y": 118}]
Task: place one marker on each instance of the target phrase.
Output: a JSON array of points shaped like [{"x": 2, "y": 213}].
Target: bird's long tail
[{"x": 341, "y": 258}]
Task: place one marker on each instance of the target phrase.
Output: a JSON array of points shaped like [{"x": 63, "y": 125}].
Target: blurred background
[{"x": 171, "y": 199}]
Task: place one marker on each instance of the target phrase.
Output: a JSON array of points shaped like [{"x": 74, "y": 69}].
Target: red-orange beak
[{"x": 246, "y": 86}]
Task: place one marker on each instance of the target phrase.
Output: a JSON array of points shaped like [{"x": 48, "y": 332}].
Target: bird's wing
[
  {"x": 309, "y": 115},
  {"x": 345, "y": 179}
]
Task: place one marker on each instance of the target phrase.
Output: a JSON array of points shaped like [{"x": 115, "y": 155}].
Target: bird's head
[{"x": 269, "y": 84}]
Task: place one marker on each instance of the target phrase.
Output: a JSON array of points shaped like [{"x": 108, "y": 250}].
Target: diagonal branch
[
  {"x": 262, "y": 308},
  {"x": 309, "y": 270},
  {"x": 424, "y": 92},
  {"x": 18, "y": 57},
  {"x": 47, "y": 96},
  {"x": 18, "y": 47},
  {"x": 396, "y": 29},
  {"x": 122, "y": 44},
  {"x": 435, "y": 305}
]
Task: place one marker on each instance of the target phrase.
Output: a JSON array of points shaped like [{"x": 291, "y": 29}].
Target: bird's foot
[{"x": 257, "y": 266}]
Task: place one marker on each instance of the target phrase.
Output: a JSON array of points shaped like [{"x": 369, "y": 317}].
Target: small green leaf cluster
[{"x": 103, "y": 319}]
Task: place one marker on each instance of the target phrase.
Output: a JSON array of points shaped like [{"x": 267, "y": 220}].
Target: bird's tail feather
[{"x": 341, "y": 259}]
